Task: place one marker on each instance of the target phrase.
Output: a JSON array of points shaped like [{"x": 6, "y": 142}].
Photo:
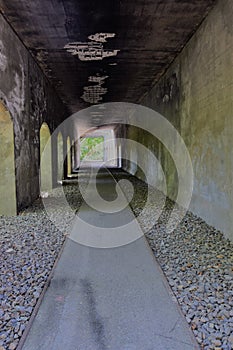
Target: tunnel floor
[
  {"x": 113, "y": 298},
  {"x": 117, "y": 297}
]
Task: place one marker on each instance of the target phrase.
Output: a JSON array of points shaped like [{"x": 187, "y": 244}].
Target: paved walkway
[{"x": 114, "y": 298}]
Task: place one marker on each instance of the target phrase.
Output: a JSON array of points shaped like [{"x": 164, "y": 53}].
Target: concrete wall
[
  {"x": 31, "y": 101},
  {"x": 158, "y": 170},
  {"x": 196, "y": 96}
]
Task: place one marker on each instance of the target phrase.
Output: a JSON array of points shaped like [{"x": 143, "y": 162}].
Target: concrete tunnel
[{"x": 116, "y": 174}]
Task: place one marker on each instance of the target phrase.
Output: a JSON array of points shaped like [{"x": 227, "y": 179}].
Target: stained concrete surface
[
  {"x": 108, "y": 298},
  {"x": 149, "y": 35},
  {"x": 195, "y": 95},
  {"x": 30, "y": 100}
]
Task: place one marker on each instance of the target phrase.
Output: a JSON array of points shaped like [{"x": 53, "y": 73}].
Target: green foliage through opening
[{"x": 92, "y": 148}]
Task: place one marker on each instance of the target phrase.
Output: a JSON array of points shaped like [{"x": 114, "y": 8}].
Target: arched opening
[
  {"x": 60, "y": 157},
  {"x": 69, "y": 170},
  {"x": 7, "y": 164},
  {"x": 45, "y": 158}
]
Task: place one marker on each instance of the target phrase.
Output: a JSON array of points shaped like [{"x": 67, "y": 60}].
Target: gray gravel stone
[
  {"x": 198, "y": 263},
  {"x": 29, "y": 246}
]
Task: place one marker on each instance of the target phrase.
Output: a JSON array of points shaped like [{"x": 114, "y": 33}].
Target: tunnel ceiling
[{"x": 104, "y": 50}]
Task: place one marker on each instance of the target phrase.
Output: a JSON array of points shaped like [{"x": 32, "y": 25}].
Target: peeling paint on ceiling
[
  {"x": 93, "y": 93},
  {"x": 133, "y": 42},
  {"x": 101, "y": 37},
  {"x": 92, "y": 50},
  {"x": 89, "y": 51}
]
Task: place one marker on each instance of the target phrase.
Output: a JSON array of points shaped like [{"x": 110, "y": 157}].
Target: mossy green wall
[
  {"x": 196, "y": 96},
  {"x": 30, "y": 100}
]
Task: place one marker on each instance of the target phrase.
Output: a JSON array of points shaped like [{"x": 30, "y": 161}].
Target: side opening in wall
[
  {"x": 45, "y": 158},
  {"x": 7, "y": 164}
]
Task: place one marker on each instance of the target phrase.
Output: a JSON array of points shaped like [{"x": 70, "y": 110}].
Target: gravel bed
[
  {"x": 198, "y": 263},
  {"x": 29, "y": 246},
  {"x": 196, "y": 259}
]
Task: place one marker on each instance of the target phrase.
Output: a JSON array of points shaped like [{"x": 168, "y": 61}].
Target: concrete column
[
  {"x": 72, "y": 156},
  {"x": 54, "y": 160},
  {"x": 76, "y": 153},
  {"x": 119, "y": 160},
  {"x": 45, "y": 158},
  {"x": 7, "y": 164},
  {"x": 60, "y": 157},
  {"x": 68, "y": 156},
  {"x": 65, "y": 161}
]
